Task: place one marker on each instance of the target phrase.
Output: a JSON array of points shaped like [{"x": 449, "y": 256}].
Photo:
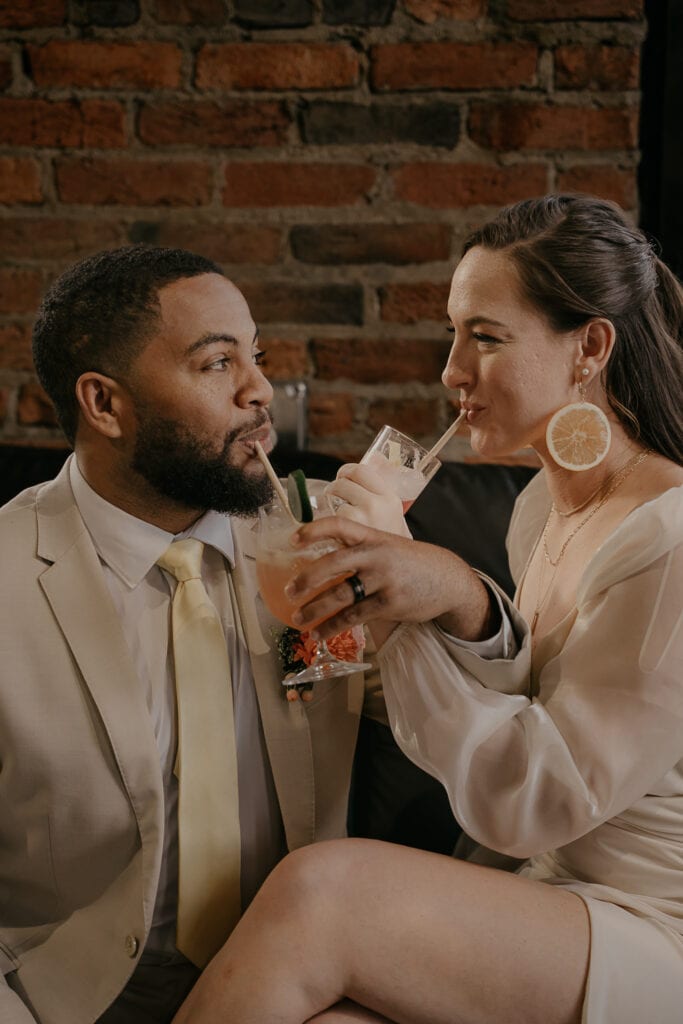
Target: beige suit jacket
[{"x": 81, "y": 801}]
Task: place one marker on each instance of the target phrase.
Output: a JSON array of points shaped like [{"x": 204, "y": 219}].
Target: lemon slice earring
[{"x": 579, "y": 435}]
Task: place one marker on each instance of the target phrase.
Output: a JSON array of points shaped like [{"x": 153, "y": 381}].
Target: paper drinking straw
[
  {"x": 442, "y": 440},
  {"x": 279, "y": 489}
]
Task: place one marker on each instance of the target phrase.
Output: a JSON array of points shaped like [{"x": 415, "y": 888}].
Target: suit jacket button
[{"x": 131, "y": 946}]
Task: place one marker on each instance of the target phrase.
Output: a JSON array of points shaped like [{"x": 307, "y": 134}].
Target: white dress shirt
[{"x": 128, "y": 549}]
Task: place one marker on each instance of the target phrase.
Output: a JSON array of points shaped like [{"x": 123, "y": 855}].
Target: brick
[
  {"x": 292, "y": 184},
  {"x": 453, "y": 65},
  {"x": 411, "y": 303},
  {"x": 429, "y": 11},
  {"x": 511, "y": 126},
  {"x": 32, "y": 13},
  {"x": 371, "y": 243},
  {"x": 596, "y": 67},
  {"x": 286, "y": 358},
  {"x": 462, "y": 185},
  {"x": 15, "y": 347},
  {"x": 358, "y": 12},
  {"x": 602, "y": 180},
  {"x": 190, "y": 12},
  {"x": 34, "y": 408},
  {"x": 276, "y": 66},
  {"x": 60, "y": 238},
  {"x": 20, "y": 290},
  {"x": 213, "y": 124},
  {"x": 274, "y": 13},
  {"x": 224, "y": 243},
  {"x": 134, "y": 182},
  {"x": 105, "y": 65},
  {"x": 19, "y": 180},
  {"x": 570, "y": 10},
  {"x": 286, "y": 302},
  {"x": 330, "y": 414},
  {"x": 110, "y": 13},
  {"x": 67, "y": 123},
  {"x": 354, "y": 124},
  {"x": 5, "y": 68},
  {"x": 379, "y": 361},
  {"x": 416, "y": 417}
]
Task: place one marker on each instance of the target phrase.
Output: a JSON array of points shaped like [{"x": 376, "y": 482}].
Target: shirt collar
[{"x": 130, "y": 546}]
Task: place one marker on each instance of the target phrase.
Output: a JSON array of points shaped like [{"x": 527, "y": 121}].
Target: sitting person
[
  {"x": 131, "y": 627},
  {"x": 555, "y": 720}
]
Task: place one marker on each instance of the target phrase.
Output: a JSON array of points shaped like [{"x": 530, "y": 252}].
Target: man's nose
[{"x": 256, "y": 389}]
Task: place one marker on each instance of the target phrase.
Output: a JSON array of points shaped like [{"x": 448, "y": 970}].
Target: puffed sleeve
[{"x": 526, "y": 774}]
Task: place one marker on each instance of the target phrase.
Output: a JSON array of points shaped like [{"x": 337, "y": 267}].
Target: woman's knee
[{"x": 315, "y": 879}]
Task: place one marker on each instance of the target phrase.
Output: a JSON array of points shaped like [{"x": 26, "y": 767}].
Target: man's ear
[{"x": 101, "y": 402}]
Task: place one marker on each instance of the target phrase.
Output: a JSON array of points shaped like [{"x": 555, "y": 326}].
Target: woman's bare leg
[
  {"x": 414, "y": 936},
  {"x": 347, "y": 1012}
]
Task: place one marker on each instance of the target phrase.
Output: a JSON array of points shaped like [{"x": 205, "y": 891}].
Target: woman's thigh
[
  {"x": 416, "y": 937},
  {"x": 421, "y": 937}
]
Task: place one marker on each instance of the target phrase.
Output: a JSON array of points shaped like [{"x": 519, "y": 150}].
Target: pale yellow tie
[{"x": 208, "y": 801}]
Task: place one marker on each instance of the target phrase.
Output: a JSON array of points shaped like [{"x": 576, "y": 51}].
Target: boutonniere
[{"x": 297, "y": 647}]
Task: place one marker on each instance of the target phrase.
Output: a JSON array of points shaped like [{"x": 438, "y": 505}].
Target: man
[{"x": 151, "y": 359}]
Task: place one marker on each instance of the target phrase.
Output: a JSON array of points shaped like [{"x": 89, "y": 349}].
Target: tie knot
[{"x": 183, "y": 559}]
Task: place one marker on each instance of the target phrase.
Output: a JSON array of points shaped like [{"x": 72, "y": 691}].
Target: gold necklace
[
  {"x": 616, "y": 480},
  {"x": 591, "y": 497}
]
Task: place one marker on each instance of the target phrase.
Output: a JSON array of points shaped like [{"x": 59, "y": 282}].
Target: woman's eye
[
  {"x": 259, "y": 358},
  {"x": 450, "y": 328},
  {"x": 487, "y": 339}
]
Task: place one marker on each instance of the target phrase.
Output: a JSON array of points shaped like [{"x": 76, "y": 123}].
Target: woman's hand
[
  {"x": 404, "y": 581},
  {"x": 367, "y": 499}
]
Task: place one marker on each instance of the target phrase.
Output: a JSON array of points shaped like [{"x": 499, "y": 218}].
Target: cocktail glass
[
  {"x": 402, "y": 463},
  {"x": 277, "y": 561}
]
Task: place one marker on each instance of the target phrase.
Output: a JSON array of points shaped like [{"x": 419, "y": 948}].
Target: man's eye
[
  {"x": 487, "y": 339},
  {"x": 221, "y": 363},
  {"x": 450, "y": 328},
  {"x": 259, "y": 357}
]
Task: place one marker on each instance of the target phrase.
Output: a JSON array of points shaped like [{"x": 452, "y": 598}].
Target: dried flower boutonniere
[{"x": 295, "y": 647}]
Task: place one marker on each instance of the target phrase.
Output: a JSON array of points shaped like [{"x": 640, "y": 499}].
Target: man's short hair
[{"x": 98, "y": 315}]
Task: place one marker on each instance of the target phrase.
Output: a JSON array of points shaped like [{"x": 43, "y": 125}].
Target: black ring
[{"x": 357, "y": 588}]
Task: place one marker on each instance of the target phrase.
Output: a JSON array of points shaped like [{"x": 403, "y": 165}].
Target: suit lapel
[{"x": 78, "y": 595}]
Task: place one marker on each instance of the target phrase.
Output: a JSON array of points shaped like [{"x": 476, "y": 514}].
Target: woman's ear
[
  {"x": 101, "y": 402},
  {"x": 596, "y": 344}
]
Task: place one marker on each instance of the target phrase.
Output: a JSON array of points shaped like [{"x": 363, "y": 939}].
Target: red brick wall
[{"x": 330, "y": 154}]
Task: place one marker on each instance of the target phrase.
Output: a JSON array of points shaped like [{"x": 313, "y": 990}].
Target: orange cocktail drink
[
  {"x": 277, "y": 561},
  {"x": 276, "y": 565}
]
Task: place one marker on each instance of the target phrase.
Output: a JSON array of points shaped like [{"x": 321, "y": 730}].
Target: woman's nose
[{"x": 454, "y": 375}]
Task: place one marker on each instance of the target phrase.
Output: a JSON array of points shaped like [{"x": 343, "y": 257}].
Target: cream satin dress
[{"x": 570, "y": 765}]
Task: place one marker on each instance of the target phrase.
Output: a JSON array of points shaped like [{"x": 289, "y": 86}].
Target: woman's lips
[{"x": 473, "y": 411}]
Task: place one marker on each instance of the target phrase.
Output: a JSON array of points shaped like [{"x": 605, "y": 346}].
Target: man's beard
[{"x": 181, "y": 467}]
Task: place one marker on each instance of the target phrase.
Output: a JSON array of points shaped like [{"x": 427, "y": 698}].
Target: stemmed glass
[{"x": 277, "y": 561}]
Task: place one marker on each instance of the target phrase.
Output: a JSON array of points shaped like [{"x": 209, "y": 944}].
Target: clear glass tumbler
[{"x": 404, "y": 464}]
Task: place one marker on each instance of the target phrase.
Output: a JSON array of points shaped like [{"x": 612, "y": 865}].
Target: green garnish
[{"x": 297, "y": 494}]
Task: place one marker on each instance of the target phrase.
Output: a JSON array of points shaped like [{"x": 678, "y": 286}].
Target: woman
[{"x": 556, "y": 722}]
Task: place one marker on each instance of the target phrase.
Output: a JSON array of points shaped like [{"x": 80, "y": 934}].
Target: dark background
[{"x": 661, "y": 133}]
